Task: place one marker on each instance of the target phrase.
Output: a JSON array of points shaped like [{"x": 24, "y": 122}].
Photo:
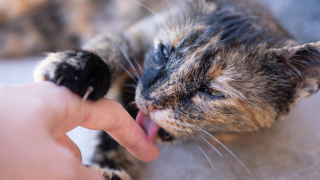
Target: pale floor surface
[{"x": 288, "y": 151}]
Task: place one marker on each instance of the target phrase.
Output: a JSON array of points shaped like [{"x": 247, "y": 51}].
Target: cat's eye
[
  {"x": 164, "y": 52},
  {"x": 212, "y": 92}
]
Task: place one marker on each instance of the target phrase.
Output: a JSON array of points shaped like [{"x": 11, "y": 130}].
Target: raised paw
[
  {"x": 110, "y": 174},
  {"x": 78, "y": 70}
]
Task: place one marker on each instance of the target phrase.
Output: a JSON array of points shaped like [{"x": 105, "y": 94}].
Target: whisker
[
  {"x": 152, "y": 12},
  {"x": 210, "y": 145},
  {"x": 130, "y": 91},
  {"x": 138, "y": 64},
  {"x": 212, "y": 137},
  {"x": 125, "y": 69},
  {"x": 130, "y": 104},
  {"x": 173, "y": 19},
  {"x": 130, "y": 85},
  {"x": 167, "y": 153},
  {"x": 170, "y": 8},
  {"x": 205, "y": 155},
  {"x": 128, "y": 60},
  {"x": 187, "y": 152}
]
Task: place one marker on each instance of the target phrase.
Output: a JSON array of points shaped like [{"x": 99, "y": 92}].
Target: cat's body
[{"x": 215, "y": 66}]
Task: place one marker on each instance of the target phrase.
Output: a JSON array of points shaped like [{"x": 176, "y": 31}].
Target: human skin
[{"x": 34, "y": 120}]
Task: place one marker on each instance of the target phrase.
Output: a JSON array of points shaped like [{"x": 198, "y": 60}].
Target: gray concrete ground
[{"x": 288, "y": 151}]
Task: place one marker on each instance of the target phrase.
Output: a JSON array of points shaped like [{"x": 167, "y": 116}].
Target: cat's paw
[
  {"x": 77, "y": 70},
  {"x": 110, "y": 174}
]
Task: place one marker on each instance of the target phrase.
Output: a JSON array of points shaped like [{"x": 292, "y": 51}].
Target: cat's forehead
[
  {"x": 181, "y": 36},
  {"x": 189, "y": 46},
  {"x": 197, "y": 47}
]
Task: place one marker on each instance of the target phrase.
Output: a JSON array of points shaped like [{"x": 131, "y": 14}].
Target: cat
[{"x": 209, "y": 67}]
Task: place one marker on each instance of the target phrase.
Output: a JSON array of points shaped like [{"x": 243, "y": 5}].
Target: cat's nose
[{"x": 150, "y": 106}]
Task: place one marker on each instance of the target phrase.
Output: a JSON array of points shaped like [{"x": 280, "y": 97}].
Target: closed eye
[{"x": 212, "y": 92}]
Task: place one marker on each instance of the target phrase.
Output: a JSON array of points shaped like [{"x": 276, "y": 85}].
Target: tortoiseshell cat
[{"x": 215, "y": 66}]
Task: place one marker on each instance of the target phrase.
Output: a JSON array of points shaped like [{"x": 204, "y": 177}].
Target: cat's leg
[
  {"x": 110, "y": 174},
  {"x": 93, "y": 66},
  {"x": 113, "y": 161}
]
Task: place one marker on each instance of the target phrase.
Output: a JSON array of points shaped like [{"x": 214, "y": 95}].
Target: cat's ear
[{"x": 302, "y": 63}]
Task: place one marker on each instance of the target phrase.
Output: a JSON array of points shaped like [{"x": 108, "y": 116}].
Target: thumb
[{"x": 66, "y": 142}]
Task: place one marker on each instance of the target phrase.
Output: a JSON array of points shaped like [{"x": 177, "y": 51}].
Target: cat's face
[{"x": 200, "y": 75}]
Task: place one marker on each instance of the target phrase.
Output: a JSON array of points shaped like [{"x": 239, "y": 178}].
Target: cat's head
[{"x": 223, "y": 72}]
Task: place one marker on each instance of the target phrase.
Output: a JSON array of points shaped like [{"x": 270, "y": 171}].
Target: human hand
[{"x": 34, "y": 120}]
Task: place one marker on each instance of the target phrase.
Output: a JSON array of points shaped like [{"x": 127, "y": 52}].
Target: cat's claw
[
  {"x": 60, "y": 80},
  {"x": 87, "y": 93}
]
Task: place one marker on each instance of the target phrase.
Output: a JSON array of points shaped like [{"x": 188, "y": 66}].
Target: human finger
[
  {"x": 64, "y": 111},
  {"x": 66, "y": 142},
  {"x": 110, "y": 116},
  {"x": 70, "y": 167}
]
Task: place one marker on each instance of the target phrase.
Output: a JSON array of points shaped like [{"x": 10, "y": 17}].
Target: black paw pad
[{"x": 80, "y": 70}]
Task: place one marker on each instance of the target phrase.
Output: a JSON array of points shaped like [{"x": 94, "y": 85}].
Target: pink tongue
[{"x": 147, "y": 125}]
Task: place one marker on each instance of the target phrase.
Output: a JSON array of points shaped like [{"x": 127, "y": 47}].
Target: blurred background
[
  {"x": 28, "y": 27},
  {"x": 290, "y": 150}
]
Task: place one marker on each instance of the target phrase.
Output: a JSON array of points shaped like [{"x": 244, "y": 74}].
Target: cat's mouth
[{"x": 151, "y": 128}]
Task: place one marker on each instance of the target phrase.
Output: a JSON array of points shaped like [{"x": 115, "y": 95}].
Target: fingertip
[
  {"x": 146, "y": 152},
  {"x": 66, "y": 142},
  {"x": 153, "y": 155}
]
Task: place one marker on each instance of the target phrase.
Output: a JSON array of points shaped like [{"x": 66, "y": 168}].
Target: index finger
[
  {"x": 110, "y": 116},
  {"x": 59, "y": 111},
  {"x": 65, "y": 111}
]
